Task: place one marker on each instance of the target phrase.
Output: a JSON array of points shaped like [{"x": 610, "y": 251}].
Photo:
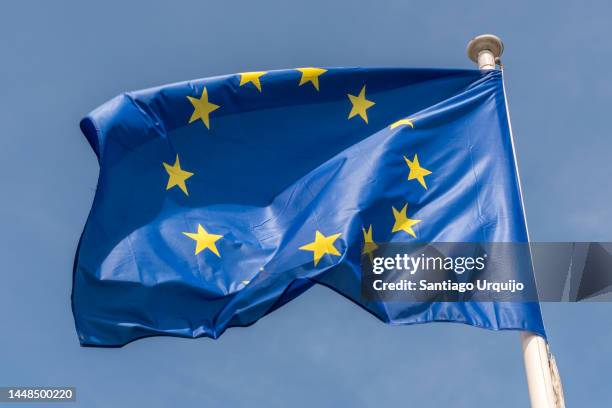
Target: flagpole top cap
[{"x": 485, "y": 42}]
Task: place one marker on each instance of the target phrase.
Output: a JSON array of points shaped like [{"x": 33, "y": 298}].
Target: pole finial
[{"x": 485, "y": 50}]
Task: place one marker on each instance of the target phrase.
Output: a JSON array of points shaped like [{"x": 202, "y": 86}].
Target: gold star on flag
[
  {"x": 360, "y": 105},
  {"x": 252, "y": 77},
  {"x": 204, "y": 240},
  {"x": 402, "y": 222},
  {"x": 369, "y": 245},
  {"x": 311, "y": 75},
  {"x": 176, "y": 175},
  {"x": 322, "y": 245},
  {"x": 402, "y": 122},
  {"x": 416, "y": 171},
  {"x": 202, "y": 108}
]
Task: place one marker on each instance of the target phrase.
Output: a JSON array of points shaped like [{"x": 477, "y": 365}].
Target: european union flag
[{"x": 221, "y": 199}]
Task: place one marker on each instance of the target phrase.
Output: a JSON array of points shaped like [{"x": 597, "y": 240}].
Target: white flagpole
[{"x": 543, "y": 381}]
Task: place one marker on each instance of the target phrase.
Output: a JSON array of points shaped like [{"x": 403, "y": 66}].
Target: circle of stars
[{"x": 322, "y": 244}]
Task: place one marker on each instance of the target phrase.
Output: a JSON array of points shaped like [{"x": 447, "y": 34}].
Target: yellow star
[
  {"x": 402, "y": 222},
  {"x": 401, "y": 122},
  {"x": 252, "y": 77},
  {"x": 311, "y": 75},
  {"x": 322, "y": 245},
  {"x": 204, "y": 240},
  {"x": 369, "y": 246},
  {"x": 360, "y": 105},
  {"x": 176, "y": 175},
  {"x": 416, "y": 171},
  {"x": 202, "y": 108}
]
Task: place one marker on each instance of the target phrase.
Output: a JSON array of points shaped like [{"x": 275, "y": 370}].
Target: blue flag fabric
[{"x": 221, "y": 199}]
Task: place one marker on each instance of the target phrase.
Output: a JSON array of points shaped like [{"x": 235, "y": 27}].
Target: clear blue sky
[{"x": 59, "y": 60}]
